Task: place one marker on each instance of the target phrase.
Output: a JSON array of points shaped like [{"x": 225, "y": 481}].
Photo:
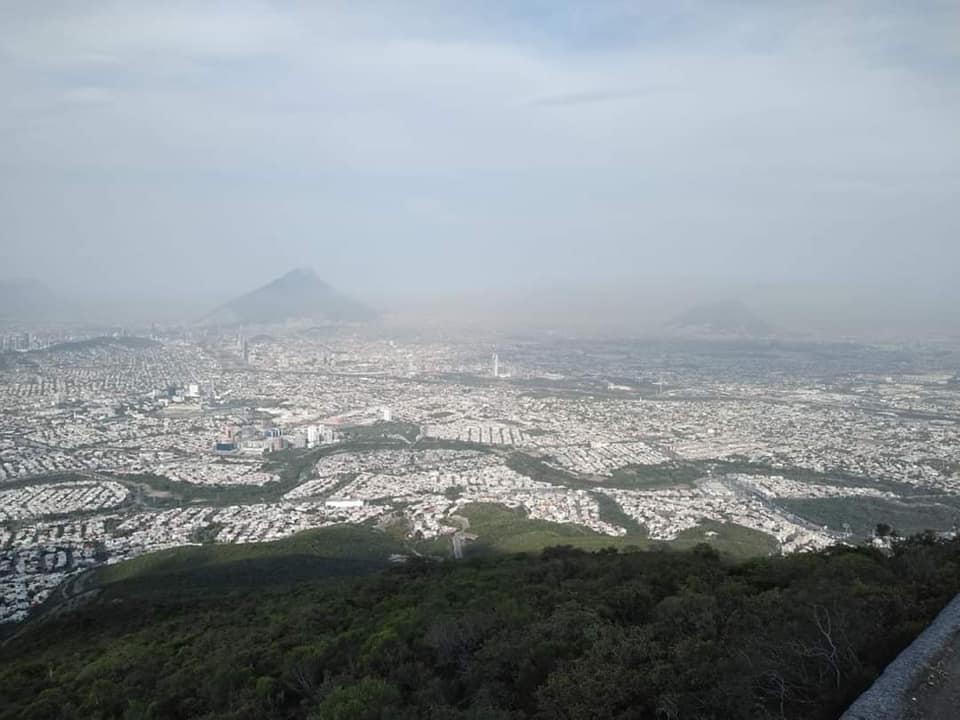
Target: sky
[{"x": 202, "y": 147}]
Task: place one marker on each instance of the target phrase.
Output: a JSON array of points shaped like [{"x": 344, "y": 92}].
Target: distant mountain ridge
[
  {"x": 298, "y": 295},
  {"x": 727, "y": 317}
]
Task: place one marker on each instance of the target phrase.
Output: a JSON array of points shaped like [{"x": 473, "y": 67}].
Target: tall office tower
[{"x": 496, "y": 365}]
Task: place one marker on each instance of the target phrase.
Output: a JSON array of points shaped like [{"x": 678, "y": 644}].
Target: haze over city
[{"x": 183, "y": 153}]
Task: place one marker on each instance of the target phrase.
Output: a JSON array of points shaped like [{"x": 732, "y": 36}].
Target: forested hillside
[{"x": 560, "y": 634}]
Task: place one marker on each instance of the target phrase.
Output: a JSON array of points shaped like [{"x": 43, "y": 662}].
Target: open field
[
  {"x": 648, "y": 477},
  {"x": 501, "y": 529},
  {"x": 906, "y": 516},
  {"x": 339, "y": 550}
]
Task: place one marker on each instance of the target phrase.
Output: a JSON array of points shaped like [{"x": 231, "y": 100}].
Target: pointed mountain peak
[
  {"x": 298, "y": 295},
  {"x": 300, "y": 273}
]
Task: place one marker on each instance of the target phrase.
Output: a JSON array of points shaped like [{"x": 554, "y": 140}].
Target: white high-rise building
[
  {"x": 496, "y": 365},
  {"x": 326, "y": 434},
  {"x": 386, "y": 414}
]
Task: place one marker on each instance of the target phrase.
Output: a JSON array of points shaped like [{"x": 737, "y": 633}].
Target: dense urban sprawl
[{"x": 115, "y": 446}]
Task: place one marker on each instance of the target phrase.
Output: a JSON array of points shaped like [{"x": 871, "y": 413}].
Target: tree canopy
[{"x": 560, "y": 634}]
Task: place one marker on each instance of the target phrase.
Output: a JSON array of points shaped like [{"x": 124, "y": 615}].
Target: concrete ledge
[{"x": 890, "y": 696}]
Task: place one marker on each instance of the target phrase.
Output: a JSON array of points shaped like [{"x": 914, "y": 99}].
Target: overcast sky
[{"x": 441, "y": 145}]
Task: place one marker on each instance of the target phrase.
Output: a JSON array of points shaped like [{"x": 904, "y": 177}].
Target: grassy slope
[
  {"x": 333, "y": 551},
  {"x": 501, "y": 529},
  {"x": 907, "y": 516},
  {"x": 351, "y": 549}
]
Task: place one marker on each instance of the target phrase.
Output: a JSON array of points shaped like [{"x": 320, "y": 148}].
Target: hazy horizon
[
  {"x": 184, "y": 153},
  {"x": 644, "y": 306}
]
